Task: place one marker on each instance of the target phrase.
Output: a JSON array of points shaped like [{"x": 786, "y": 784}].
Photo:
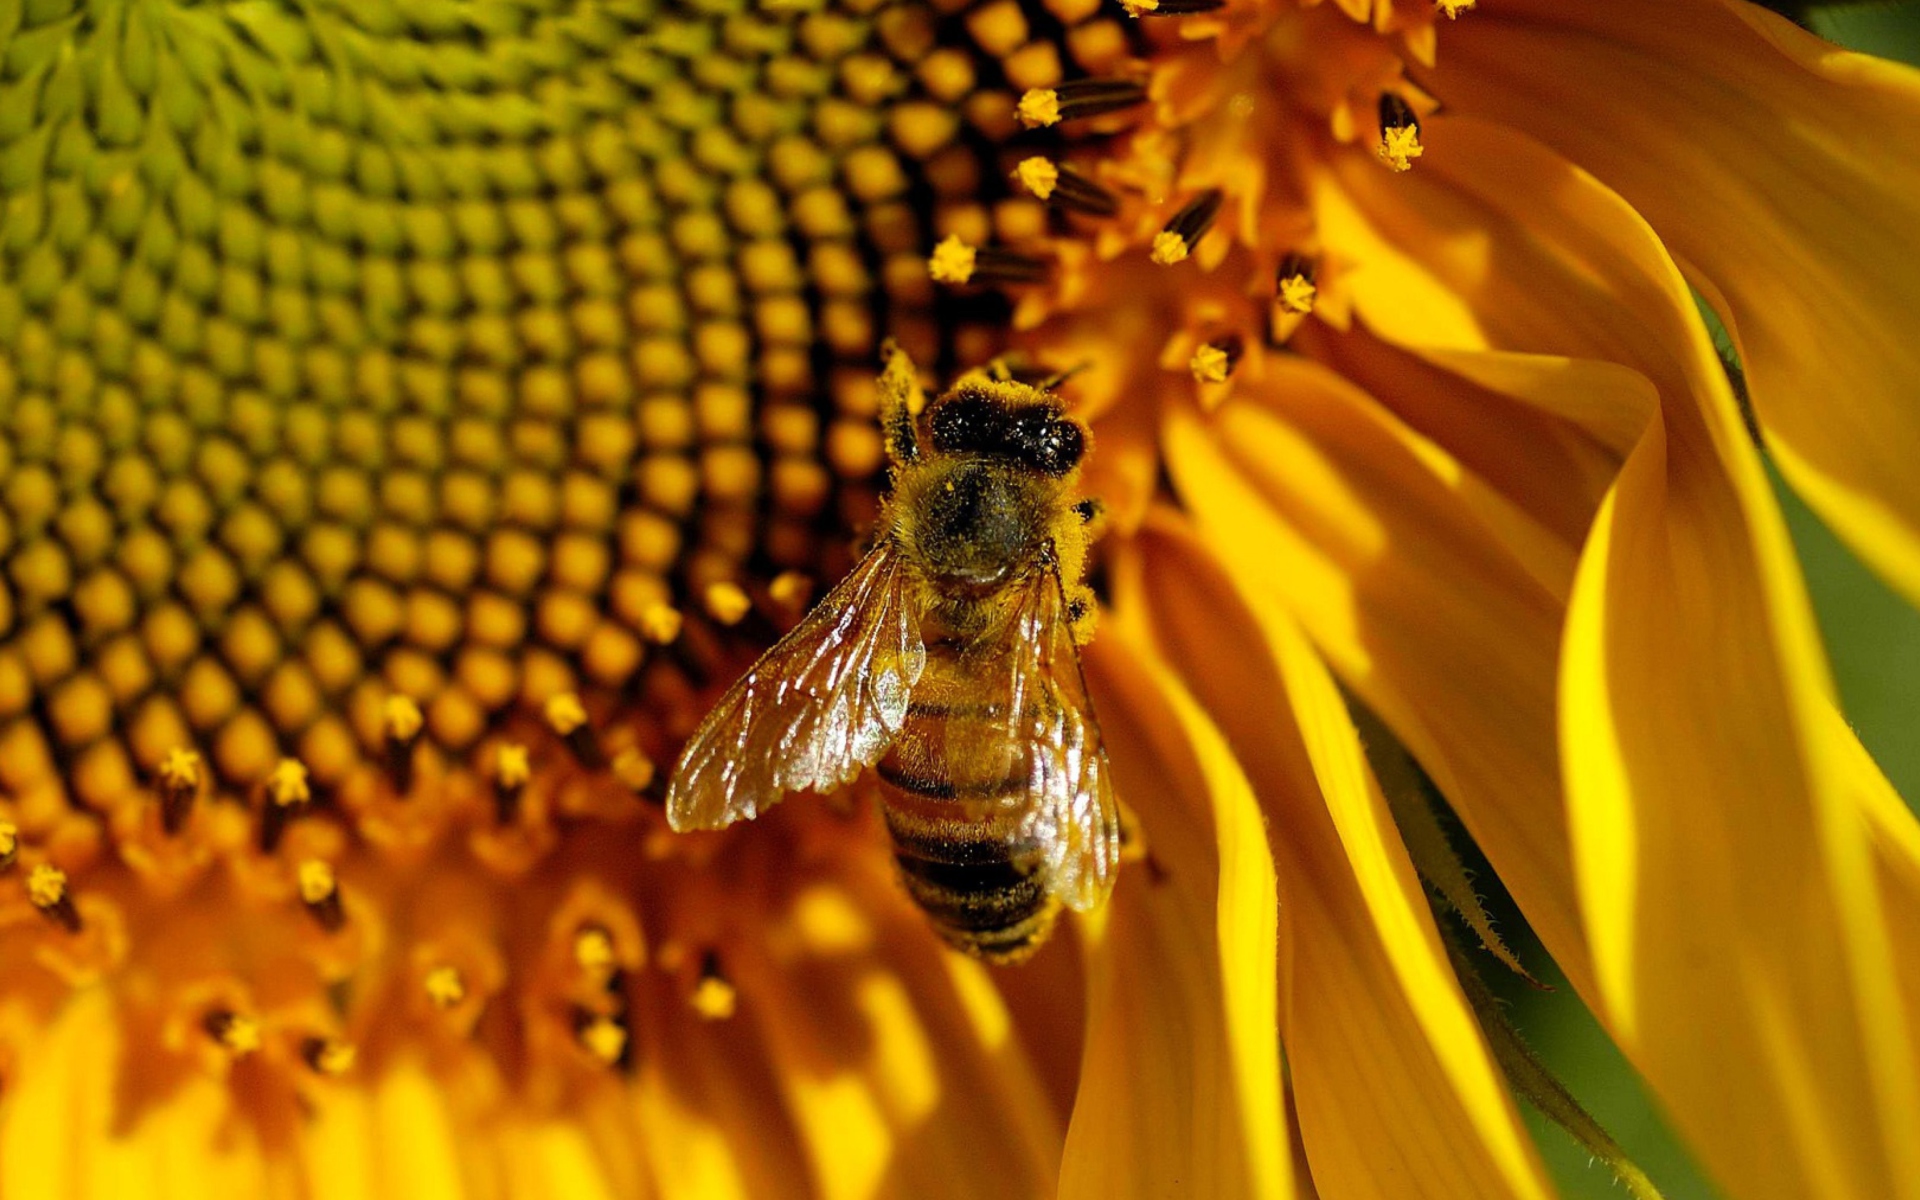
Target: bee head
[{"x": 1011, "y": 422}]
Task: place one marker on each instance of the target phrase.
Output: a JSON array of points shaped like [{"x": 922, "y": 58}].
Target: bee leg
[
  {"x": 901, "y": 400},
  {"x": 1082, "y": 612}
]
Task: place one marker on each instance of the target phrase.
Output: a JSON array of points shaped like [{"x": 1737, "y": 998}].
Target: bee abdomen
[{"x": 985, "y": 904}]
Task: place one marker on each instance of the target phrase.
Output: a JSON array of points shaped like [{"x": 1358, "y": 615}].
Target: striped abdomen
[{"x": 953, "y": 788}]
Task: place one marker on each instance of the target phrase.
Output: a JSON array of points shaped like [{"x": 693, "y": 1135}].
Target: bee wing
[
  {"x": 1071, "y": 814},
  {"x": 824, "y": 702}
]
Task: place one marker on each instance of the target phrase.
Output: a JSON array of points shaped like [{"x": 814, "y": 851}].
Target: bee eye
[
  {"x": 1047, "y": 441},
  {"x": 966, "y": 424}
]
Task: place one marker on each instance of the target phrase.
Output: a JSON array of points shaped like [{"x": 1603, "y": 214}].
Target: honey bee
[{"x": 949, "y": 659}]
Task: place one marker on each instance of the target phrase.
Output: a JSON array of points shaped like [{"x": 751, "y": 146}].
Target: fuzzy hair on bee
[{"x": 948, "y": 661}]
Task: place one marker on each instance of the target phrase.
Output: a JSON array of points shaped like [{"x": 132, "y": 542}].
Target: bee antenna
[{"x": 1059, "y": 377}]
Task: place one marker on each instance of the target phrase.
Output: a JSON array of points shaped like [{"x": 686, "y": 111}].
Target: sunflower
[{"x": 413, "y": 413}]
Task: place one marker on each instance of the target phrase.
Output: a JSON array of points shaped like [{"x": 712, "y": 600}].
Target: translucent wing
[
  {"x": 1070, "y": 814},
  {"x": 824, "y": 702}
]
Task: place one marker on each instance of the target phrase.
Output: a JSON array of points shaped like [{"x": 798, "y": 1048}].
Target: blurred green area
[{"x": 1873, "y": 640}]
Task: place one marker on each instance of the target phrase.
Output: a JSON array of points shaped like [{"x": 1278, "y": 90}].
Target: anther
[
  {"x": 567, "y": 717},
  {"x": 239, "y": 1035},
  {"x": 1064, "y": 187},
  {"x": 954, "y": 261},
  {"x": 1399, "y": 133},
  {"x": 594, "y": 954},
  {"x": 1293, "y": 287},
  {"x": 402, "y": 722},
  {"x": 1213, "y": 362},
  {"x": 9, "y": 844},
  {"x": 660, "y": 623},
  {"x": 602, "y": 1036},
  {"x": 1042, "y": 107},
  {"x": 790, "y": 590},
  {"x": 511, "y": 771},
  {"x": 727, "y": 603},
  {"x": 444, "y": 987},
  {"x": 47, "y": 890},
  {"x": 714, "y": 997},
  {"x": 287, "y": 792},
  {"x": 328, "y": 1056},
  {"x": 1180, "y": 235},
  {"x": 1169, "y": 8},
  {"x": 320, "y": 892},
  {"x": 1453, "y": 8},
  {"x": 179, "y": 780}
]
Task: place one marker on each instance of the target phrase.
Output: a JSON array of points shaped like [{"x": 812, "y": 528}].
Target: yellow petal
[
  {"x": 1375, "y": 540},
  {"x": 1180, "y": 1083},
  {"x": 1398, "y": 1094},
  {"x": 901, "y": 1071},
  {"x": 1786, "y": 173}
]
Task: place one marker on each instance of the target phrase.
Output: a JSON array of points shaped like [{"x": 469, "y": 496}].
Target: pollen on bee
[
  {"x": 238, "y": 1034},
  {"x": 47, "y": 891},
  {"x": 714, "y": 997},
  {"x": 444, "y": 987},
  {"x": 320, "y": 892},
  {"x": 179, "y": 780},
  {"x": 1399, "y": 133},
  {"x": 328, "y": 1056},
  {"x": 727, "y": 602},
  {"x": 1176, "y": 241}
]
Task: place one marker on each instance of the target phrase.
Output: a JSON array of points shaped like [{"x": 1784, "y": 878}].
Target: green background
[{"x": 1873, "y": 639}]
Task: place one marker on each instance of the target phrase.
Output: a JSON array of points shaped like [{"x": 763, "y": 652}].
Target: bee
[{"x": 948, "y": 659}]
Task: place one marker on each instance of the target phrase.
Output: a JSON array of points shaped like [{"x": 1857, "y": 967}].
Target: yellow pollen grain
[
  {"x": 46, "y": 886},
  {"x": 332, "y": 1057},
  {"x": 565, "y": 713},
  {"x": 660, "y": 623},
  {"x": 594, "y": 954},
  {"x": 1453, "y": 8},
  {"x": 444, "y": 987},
  {"x": 1168, "y": 248},
  {"x": 714, "y": 999},
  {"x": 604, "y": 1039},
  {"x": 1038, "y": 108},
  {"x": 287, "y": 785},
  {"x": 952, "y": 261},
  {"x": 1038, "y": 175},
  {"x": 402, "y": 718},
  {"x": 1296, "y": 294},
  {"x": 240, "y": 1035},
  {"x": 790, "y": 588},
  {"x": 1399, "y": 147},
  {"x": 179, "y": 771},
  {"x": 727, "y": 602},
  {"x": 317, "y": 881},
  {"x": 511, "y": 767},
  {"x": 1209, "y": 364}
]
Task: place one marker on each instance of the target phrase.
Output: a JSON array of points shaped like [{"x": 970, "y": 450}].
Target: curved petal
[
  {"x": 1180, "y": 1090},
  {"x": 1376, "y": 541},
  {"x": 1398, "y": 1094},
  {"x": 1787, "y": 173}
]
